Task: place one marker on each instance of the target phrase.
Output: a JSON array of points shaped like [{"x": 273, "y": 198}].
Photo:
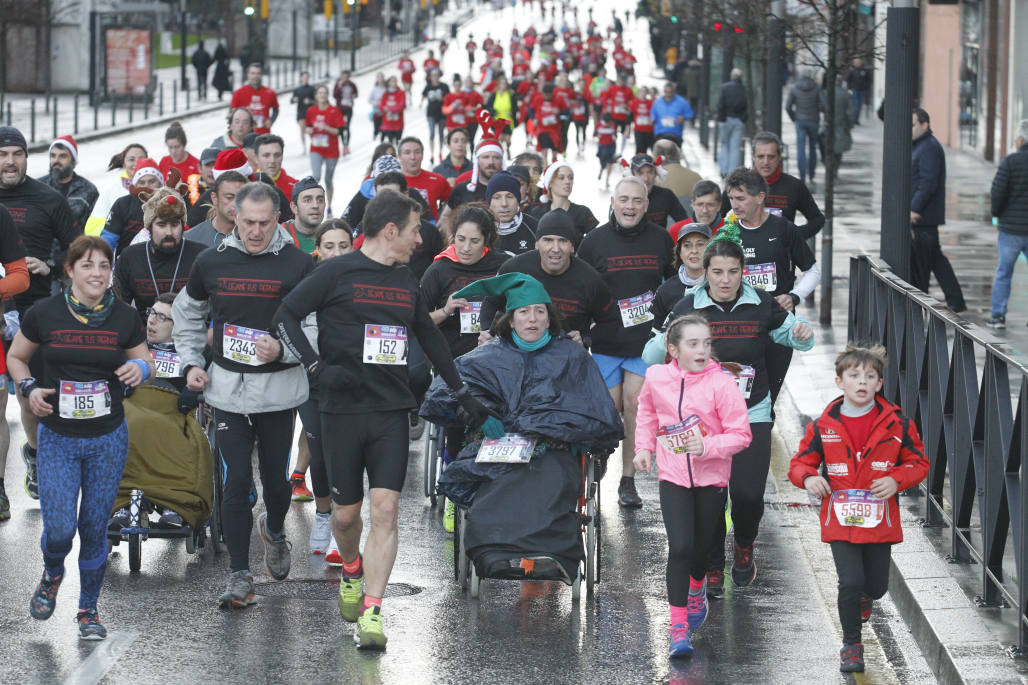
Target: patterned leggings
[{"x": 67, "y": 465}]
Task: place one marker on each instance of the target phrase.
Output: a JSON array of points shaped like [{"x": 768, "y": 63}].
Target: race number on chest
[
  {"x": 89, "y": 400},
  {"x": 763, "y": 276},
  {"x": 167, "y": 363},
  {"x": 636, "y": 310},
  {"x": 471, "y": 317},
  {"x": 510, "y": 449},
  {"x": 858, "y": 508},
  {"x": 385, "y": 345},
  {"x": 239, "y": 344},
  {"x": 673, "y": 438}
]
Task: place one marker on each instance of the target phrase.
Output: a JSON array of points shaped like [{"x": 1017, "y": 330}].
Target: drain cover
[{"x": 323, "y": 589}]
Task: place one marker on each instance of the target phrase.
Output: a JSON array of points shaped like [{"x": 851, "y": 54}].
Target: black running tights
[
  {"x": 690, "y": 519},
  {"x": 863, "y": 569}
]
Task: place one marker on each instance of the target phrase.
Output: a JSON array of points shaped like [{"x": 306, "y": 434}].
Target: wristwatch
[{"x": 795, "y": 299}]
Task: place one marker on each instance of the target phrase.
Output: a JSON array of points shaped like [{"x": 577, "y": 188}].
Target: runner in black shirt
[
  {"x": 162, "y": 263},
  {"x": 634, "y": 257},
  {"x": 434, "y": 92},
  {"x": 575, "y": 288},
  {"x": 557, "y": 182},
  {"x": 786, "y": 193},
  {"x": 692, "y": 238},
  {"x": 254, "y": 383},
  {"x": 91, "y": 345},
  {"x": 431, "y": 241},
  {"x": 15, "y": 280},
  {"x": 774, "y": 248},
  {"x": 303, "y": 96},
  {"x": 516, "y": 229},
  {"x": 662, "y": 202},
  {"x": 367, "y": 305}
]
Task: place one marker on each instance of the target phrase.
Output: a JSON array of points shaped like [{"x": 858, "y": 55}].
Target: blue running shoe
[
  {"x": 44, "y": 599},
  {"x": 681, "y": 644},
  {"x": 90, "y": 627},
  {"x": 697, "y": 608}
]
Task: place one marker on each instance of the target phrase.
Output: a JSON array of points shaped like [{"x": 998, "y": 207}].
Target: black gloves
[
  {"x": 188, "y": 400},
  {"x": 476, "y": 412}
]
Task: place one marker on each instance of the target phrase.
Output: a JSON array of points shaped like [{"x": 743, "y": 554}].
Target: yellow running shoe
[
  {"x": 449, "y": 516},
  {"x": 369, "y": 633},
  {"x": 351, "y": 596}
]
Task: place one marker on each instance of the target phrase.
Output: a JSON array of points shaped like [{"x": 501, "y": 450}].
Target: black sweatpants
[
  {"x": 777, "y": 358},
  {"x": 310, "y": 416},
  {"x": 233, "y": 442},
  {"x": 643, "y": 141},
  {"x": 690, "y": 519},
  {"x": 863, "y": 569},
  {"x": 926, "y": 258},
  {"x": 749, "y": 477}
]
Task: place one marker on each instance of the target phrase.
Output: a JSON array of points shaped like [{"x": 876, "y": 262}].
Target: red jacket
[{"x": 893, "y": 449}]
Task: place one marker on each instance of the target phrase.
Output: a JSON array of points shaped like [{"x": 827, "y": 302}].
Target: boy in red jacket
[{"x": 870, "y": 451}]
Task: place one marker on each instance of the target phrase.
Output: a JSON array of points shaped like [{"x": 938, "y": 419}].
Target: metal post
[
  {"x": 184, "y": 78},
  {"x": 775, "y": 68},
  {"x": 132, "y": 103},
  {"x": 9, "y": 114},
  {"x": 188, "y": 95},
  {"x": 294, "y": 40},
  {"x": 704, "y": 93},
  {"x": 96, "y": 113},
  {"x": 32, "y": 111},
  {"x": 902, "y": 45},
  {"x": 174, "y": 97},
  {"x": 160, "y": 99},
  {"x": 55, "y": 117},
  {"x": 114, "y": 109},
  {"x": 355, "y": 11}
]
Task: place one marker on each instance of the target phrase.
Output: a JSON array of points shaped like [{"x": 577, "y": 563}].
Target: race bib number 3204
[
  {"x": 239, "y": 344},
  {"x": 385, "y": 345},
  {"x": 636, "y": 310}
]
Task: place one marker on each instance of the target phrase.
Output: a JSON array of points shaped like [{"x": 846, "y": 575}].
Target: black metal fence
[{"x": 955, "y": 381}]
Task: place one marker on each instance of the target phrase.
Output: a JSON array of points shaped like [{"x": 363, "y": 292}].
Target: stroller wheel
[
  {"x": 576, "y": 587},
  {"x": 474, "y": 583},
  {"x": 135, "y": 552},
  {"x": 191, "y": 543}
]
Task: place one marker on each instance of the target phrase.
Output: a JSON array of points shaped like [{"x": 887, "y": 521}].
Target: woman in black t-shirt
[{"x": 92, "y": 345}]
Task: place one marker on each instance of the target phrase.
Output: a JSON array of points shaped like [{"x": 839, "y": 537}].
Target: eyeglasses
[{"x": 162, "y": 318}]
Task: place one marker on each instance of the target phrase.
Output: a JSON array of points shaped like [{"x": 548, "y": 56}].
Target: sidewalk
[
  {"x": 961, "y": 642},
  {"x": 41, "y": 120}
]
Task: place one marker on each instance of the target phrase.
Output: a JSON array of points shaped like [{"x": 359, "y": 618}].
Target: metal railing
[{"x": 975, "y": 439}]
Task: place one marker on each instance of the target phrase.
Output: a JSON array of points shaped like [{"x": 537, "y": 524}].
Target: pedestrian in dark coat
[
  {"x": 1009, "y": 197},
  {"x": 222, "y": 76},
  {"x": 202, "y": 61}
]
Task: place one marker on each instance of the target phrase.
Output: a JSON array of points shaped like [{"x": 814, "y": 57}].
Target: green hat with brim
[{"x": 521, "y": 290}]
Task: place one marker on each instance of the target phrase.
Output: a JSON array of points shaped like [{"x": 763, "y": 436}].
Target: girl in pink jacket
[{"x": 692, "y": 413}]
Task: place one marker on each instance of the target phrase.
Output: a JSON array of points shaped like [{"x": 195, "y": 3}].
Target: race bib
[
  {"x": 667, "y": 121},
  {"x": 385, "y": 345},
  {"x": 239, "y": 344},
  {"x": 642, "y": 121},
  {"x": 167, "y": 363},
  {"x": 549, "y": 120},
  {"x": 777, "y": 211},
  {"x": 858, "y": 508},
  {"x": 471, "y": 317},
  {"x": 672, "y": 438},
  {"x": 319, "y": 140},
  {"x": 636, "y": 310},
  {"x": 393, "y": 116},
  {"x": 744, "y": 379},
  {"x": 620, "y": 109},
  {"x": 510, "y": 449},
  {"x": 89, "y": 400},
  {"x": 457, "y": 118},
  {"x": 258, "y": 121},
  {"x": 763, "y": 276}
]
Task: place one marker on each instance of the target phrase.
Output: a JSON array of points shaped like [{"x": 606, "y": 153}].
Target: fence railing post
[
  {"x": 75, "y": 126},
  {"x": 132, "y": 102},
  {"x": 55, "y": 118},
  {"x": 32, "y": 112},
  {"x": 160, "y": 99}
]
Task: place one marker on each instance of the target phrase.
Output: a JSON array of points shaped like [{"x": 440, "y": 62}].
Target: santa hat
[
  {"x": 548, "y": 175},
  {"x": 144, "y": 167},
  {"x": 68, "y": 143},
  {"x": 164, "y": 204},
  {"x": 490, "y": 142},
  {"x": 231, "y": 160}
]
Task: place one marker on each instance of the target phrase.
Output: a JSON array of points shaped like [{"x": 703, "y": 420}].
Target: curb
[{"x": 954, "y": 639}]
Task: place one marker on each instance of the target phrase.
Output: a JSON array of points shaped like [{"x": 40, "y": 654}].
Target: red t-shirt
[
  {"x": 472, "y": 100},
  {"x": 641, "y": 114},
  {"x": 471, "y": 46},
  {"x": 285, "y": 183},
  {"x": 859, "y": 428},
  {"x": 456, "y": 118},
  {"x": 392, "y": 106},
  {"x": 606, "y": 133},
  {"x": 260, "y": 102},
  {"x": 407, "y": 70},
  {"x": 325, "y": 143},
  {"x": 190, "y": 166},
  {"x": 488, "y": 44},
  {"x": 520, "y": 71},
  {"x": 615, "y": 100},
  {"x": 433, "y": 187},
  {"x": 547, "y": 115},
  {"x": 430, "y": 64}
]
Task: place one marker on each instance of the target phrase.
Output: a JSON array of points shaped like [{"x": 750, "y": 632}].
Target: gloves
[
  {"x": 476, "y": 412},
  {"x": 493, "y": 428},
  {"x": 188, "y": 400}
]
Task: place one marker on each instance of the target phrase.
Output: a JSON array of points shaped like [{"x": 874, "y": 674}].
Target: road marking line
[{"x": 103, "y": 657}]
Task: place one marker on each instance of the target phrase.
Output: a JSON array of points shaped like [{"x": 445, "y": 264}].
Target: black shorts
[
  {"x": 546, "y": 141},
  {"x": 376, "y": 442}
]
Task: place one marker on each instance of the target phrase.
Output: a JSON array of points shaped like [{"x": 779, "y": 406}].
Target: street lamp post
[
  {"x": 183, "y": 79},
  {"x": 355, "y": 9}
]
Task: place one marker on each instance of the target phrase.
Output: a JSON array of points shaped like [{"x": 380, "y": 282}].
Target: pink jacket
[{"x": 670, "y": 396}]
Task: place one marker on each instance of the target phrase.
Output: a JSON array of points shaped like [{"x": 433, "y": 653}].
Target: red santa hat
[
  {"x": 231, "y": 160},
  {"x": 144, "y": 167},
  {"x": 548, "y": 175},
  {"x": 490, "y": 142},
  {"x": 68, "y": 143}
]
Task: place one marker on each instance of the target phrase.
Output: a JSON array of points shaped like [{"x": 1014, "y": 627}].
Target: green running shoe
[
  {"x": 449, "y": 516},
  {"x": 351, "y": 597},
  {"x": 369, "y": 633}
]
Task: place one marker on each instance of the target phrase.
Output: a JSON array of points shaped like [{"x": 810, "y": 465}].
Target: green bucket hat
[{"x": 521, "y": 290}]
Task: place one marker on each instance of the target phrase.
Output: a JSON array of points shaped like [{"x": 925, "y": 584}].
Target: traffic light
[
  {"x": 329, "y": 6},
  {"x": 738, "y": 29},
  {"x": 249, "y": 10},
  {"x": 718, "y": 26},
  {"x": 674, "y": 19},
  {"x": 264, "y": 9}
]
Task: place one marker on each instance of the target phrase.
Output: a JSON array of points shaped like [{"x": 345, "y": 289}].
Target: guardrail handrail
[{"x": 971, "y": 430}]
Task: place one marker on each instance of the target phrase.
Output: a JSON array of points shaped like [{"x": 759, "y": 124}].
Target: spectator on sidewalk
[
  {"x": 786, "y": 193},
  {"x": 678, "y": 178},
  {"x": 804, "y": 105},
  {"x": 669, "y": 115},
  {"x": 202, "y": 61},
  {"x": 732, "y": 108},
  {"x": 222, "y": 80},
  {"x": 1010, "y": 207},
  {"x": 845, "y": 118},
  {"x": 858, "y": 80},
  {"x": 928, "y": 212},
  {"x": 80, "y": 193}
]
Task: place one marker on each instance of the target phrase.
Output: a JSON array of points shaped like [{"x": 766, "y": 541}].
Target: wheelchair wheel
[
  {"x": 433, "y": 436},
  {"x": 191, "y": 543},
  {"x": 135, "y": 545},
  {"x": 591, "y": 556},
  {"x": 475, "y": 583},
  {"x": 576, "y": 588},
  {"x": 460, "y": 553}
]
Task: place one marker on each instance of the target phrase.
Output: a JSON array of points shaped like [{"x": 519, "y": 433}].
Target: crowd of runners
[{"x": 223, "y": 275}]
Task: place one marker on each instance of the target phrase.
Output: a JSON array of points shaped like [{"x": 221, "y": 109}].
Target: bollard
[
  {"x": 32, "y": 112},
  {"x": 188, "y": 95},
  {"x": 160, "y": 99},
  {"x": 132, "y": 102},
  {"x": 114, "y": 108},
  {"x": 9, "y": 116},
  {"x": 174, "y": 97},
  {"x": 146, "y": 106},
  {"x": 96, "y": 112},
  {"x": 76, "y": 105},
  {"x": 55, "y": 116}
]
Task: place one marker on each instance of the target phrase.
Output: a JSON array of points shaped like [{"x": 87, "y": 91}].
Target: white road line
[{"x": 103, "y": 657}]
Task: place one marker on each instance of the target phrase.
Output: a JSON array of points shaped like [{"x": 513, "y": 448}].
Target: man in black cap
[
  {"x": 308, "y": 205},
  {"x": 41, "y": 216},
  {"x": 80, "y": 192},
  {"x": 662, "y": 201},
  {"x": 576, "y": 289},
  {"x": 516, "y": 229}
]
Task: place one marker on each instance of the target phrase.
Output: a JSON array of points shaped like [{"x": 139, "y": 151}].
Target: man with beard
[
  {"x": 488, "y": 160},
  {"x": 80, "y": 193},
  {"x": 159, "y": 265},
  {"x": 42, "y": 216},
  {"x": 126, "y": 218}
]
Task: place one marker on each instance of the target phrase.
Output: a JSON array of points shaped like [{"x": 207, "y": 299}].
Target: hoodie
[
  {"x": 806, "y": 101},
  {"x": 670, "y": 396}
]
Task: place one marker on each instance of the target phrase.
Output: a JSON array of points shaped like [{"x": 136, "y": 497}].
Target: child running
[
  {"x": 870, "y": 451},
  {"x": 692, "y": 412}
]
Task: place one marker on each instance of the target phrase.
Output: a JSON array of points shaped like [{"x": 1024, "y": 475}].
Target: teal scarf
[
  {"x": 527, "y": 346},
  {"x": 94, "y": 316}
]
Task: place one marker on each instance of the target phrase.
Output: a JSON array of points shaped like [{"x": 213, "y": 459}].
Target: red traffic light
[
  {"x": 738, "y": 29},
  {"x": 717, "y": 26}
]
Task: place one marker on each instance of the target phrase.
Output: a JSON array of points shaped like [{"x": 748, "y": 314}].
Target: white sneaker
[
  {"x": 333, "y": 558},
  {"x": 321, "y": 534}
]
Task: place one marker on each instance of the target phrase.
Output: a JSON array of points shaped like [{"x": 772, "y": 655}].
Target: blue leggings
[{"x": 66, "y": 466}]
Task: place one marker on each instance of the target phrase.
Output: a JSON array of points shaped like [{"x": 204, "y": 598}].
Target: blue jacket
[
  {"x": 662, "y": 109},
  {"x": 928, "y": 180}
]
